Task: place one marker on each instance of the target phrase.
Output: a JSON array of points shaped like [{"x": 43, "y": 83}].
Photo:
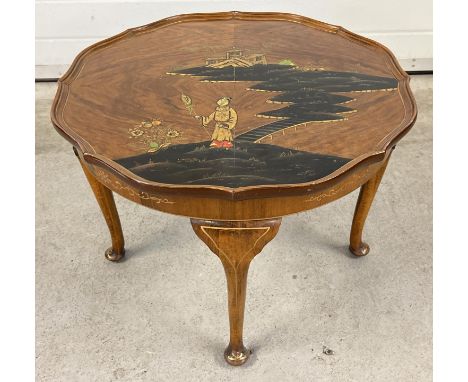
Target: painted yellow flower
[
  {"x": 136, "y": 132},
  {"x": 173, "y": 133}
]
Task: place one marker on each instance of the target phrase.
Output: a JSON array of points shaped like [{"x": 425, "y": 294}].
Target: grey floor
[{"x": 161, "y": 314}]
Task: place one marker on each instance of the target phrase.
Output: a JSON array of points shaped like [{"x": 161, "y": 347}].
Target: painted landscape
[{"x": 246, "y": 164}]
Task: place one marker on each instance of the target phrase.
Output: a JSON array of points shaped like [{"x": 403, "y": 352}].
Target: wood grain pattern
[
  {"x": 236, "y": 244},
  {"x": 363, "y": 205},
  {"x": 117, "y": 83},
  {"x": 106, "y": 203},
  {"x": 137, "y": 95},
  {"x": 201, "y": 207}
]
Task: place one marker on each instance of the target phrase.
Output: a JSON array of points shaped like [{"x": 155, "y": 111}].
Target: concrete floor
[{"x": 161, "y": 315}]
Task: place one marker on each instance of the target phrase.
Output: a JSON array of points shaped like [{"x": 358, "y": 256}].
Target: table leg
[
  {"x": 236, "y": 243},
  {"x": 366, "y": 196},
  {"x": 106, "y": 202}
]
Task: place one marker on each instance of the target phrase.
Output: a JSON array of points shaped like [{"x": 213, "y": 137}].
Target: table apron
[{"x": 222, "y": 209}]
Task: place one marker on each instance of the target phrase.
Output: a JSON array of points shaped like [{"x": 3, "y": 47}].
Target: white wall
[{"x": 65, "y": 27}]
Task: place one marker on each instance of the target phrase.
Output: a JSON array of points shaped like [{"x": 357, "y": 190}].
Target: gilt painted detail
[
  {"x": 340, "y": 188},
  {"x": 119, "y": 186},
  {"x": 310, "y": 95},
  {"x": 222, "y": 156},
  {"x": 152, "y": 135},
  {"x": 225, "y": 120}
]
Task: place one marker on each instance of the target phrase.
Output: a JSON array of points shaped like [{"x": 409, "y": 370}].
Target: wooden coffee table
[{"x": 234, "y": 120}]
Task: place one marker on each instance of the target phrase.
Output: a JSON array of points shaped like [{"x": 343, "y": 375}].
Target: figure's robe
[{"x": 225, "y": 121}]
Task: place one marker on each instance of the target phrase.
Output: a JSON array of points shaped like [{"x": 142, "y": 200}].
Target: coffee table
[{"x": 234, "y": 120}]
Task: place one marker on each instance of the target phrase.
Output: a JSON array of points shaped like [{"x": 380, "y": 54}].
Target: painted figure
[{"x": 225, "y": 118}]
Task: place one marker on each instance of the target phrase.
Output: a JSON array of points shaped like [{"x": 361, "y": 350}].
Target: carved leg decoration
[
  {"x": 106, "y": 202},
  {"x": 366, "y": 196},
  {"x": 236, "y": 243}
]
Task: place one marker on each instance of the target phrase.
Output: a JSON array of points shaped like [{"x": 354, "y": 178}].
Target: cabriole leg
[
  {"x": 106, "y": 202},
  {"x": 364, "y": 202},
  {"x": 236, "y": 243}
]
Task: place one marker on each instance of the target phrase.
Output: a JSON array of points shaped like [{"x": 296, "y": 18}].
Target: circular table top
[{"x": 234, "y": 102}]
